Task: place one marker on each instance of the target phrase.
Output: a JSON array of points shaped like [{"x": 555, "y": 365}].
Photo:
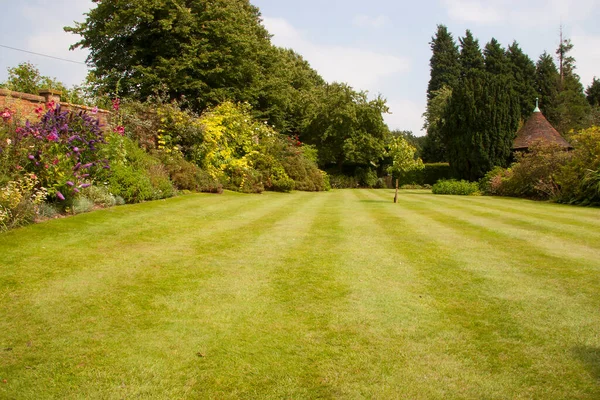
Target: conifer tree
[
  {"x": 593, "y": 92},
  {"x": 524, "y": 74},
  {"x": 482, "y": 119},
  {"x": 547, "y": 81},
  {"x": 445, "y": 72},
  {"x": 470, "y": 58},
  {"x": 445, "y": 68},
  {"x": 495, "y": 59}
]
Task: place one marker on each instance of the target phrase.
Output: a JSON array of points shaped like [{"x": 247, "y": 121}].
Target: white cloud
[
  {"x": 586, "y": 51},
  {"x": 362, "y": 68},
  {"x": 517, "y": 12},
  {"x": 406, "y": 115},
  {"x": 367, "y": 21}
]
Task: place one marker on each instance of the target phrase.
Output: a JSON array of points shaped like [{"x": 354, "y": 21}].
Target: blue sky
[{"x": 379, "y": 45}]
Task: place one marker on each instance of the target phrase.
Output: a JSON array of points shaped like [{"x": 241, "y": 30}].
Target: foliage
[
  {"x": 81, "y": 205},
  {"x": 339, "y": 181},
  {"x": 524, "y": 75},
  {"x": 19, "y": 201},
  {"x": 99, "y": 195},
  {"x": 444, "y": 64},
  {"x": 403, "y": 158},
  {"x": 481, "y": 121},
  {"x": 205, "y": 51},
  {"x": 434, "y": 147},
  {"x": 533, "y": 175},
  {"x": 462, "y": 187},
  {"x": 135, "y": 175},
  {"x": 346, "y": 127},
  {"x": 578, "y": 179},
  {"x": 61, "y": 149},
  {"x": 470, "y": 58},
  {"x": 26, "y": 78},
  {"x": 593, "y": 92}
]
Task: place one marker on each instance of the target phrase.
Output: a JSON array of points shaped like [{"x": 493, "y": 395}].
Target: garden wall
[{"x": 24, "y": 104}]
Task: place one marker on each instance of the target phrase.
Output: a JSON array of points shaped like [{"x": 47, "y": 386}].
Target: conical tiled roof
[{"x": 538, "y": 129}]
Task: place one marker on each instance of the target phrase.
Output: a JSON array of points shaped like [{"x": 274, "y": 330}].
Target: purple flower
[
  {"x": 95, "y": 110},
  {"x": 31, "y": 157},
  {"x": 75, "y": 190},
  {"x": 85, "y": 185},
  {"x": 60, "y": 195},
  {"x": 76, "y": 149},
  {"x": 77, "y": 166},
  {"x": 87, "y": 165},
  {"x": 70, "y": 183}
]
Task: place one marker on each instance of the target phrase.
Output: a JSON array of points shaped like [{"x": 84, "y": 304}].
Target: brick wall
[{"x": 24, "y": 104}]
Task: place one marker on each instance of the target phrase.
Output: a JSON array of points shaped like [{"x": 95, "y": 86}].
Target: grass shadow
[{"x": 590, "y": 356}]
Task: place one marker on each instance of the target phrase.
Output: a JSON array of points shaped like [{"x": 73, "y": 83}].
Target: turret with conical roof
[{"x": 538, "y": 129}]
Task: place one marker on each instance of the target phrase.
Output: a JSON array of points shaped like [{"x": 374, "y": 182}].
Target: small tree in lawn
[{"x": 403, "y": 160}]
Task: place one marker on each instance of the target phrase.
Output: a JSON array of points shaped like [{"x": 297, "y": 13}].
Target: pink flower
[
  {"x": 39, "y": 110},
  {"x": 95, "y": 110},
  {"x": 120, "y": 130},
  {"x": 6, "y": 115},
  {"x": 50, "y": 105},
  {"x": 116, "y": 103},
  {"x": 60, "y": 195},
  {"x": 52, "y": 137}
]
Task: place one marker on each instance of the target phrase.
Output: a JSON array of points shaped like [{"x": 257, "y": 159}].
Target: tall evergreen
[
  {"x": 572, "y": 106},
  {"x": 593, "y": 92},
  {"x": 482, "y": 119},
  {"x": 445, "y": 72},
  {"x": 495, "y": 59},
  {"x": 547, "y": 81},
  {"x": 445, "y": 68},
  {"x": 470, "y": 58},
  {"x": 524, "y": 74}
]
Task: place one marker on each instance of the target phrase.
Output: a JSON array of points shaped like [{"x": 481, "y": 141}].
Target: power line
[{"x": 43, "y": 55}]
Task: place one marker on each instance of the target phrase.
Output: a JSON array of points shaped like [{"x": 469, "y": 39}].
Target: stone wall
[{"x": 24, "y": 104}]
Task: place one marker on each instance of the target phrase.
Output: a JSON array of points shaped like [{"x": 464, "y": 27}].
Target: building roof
[{"x": 538, "y": 129}]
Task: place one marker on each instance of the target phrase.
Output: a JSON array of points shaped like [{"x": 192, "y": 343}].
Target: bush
[
  {"x": 19, "y": 201},
  {"x": 82, "y": 205},
  {"x": 433, "y": 172},
  {"x": 99, "y": 195},
  {"x": 533, "y": 175},
  {"x": 366, "y": 177},
  {"x": 463, "y": 188},
  {"x": 343, "y": 182},
  {"x": 579, "y": 178}
]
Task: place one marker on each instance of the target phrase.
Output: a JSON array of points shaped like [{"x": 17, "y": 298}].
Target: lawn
[{"x": 306, "y": 295}]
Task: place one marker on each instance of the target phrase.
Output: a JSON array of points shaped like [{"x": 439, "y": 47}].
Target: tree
[
  {"x": 593, "y": 92},
  {"x": 524, "y": 74},
  {"x": 403, "y": 158},
  {"x": 434, "y": 147},
  {"x": 482, "y": 118},
  {"x": 346, "y": 126},
  {"x": 547, "y": 80},
  {"x": 26, "y": 78},
  {"x": 495, "y": 59},
  {"x": 207, "y": 51},
  {"x": 445, "y": 74},
  {"x": 471, "y": 59},
  {"x": 444, "y": 64},
  {"x": 415, "y": 141}
]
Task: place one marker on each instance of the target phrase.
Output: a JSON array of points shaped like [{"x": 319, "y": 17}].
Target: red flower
[
  {"x": 6, "y": 115},
  {"x": 116, "y": 103},
  {"x": 120, "y": 130}
]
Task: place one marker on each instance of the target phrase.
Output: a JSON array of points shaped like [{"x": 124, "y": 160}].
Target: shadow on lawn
[{"x": 590, "y": 356}]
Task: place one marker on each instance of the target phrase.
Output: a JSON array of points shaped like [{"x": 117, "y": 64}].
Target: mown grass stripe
[{"x": 495, "y": 280}]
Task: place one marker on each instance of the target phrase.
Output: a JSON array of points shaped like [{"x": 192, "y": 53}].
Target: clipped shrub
[
  {"x": 82, "y": 205},
  {"x": 462, "y": 187}
]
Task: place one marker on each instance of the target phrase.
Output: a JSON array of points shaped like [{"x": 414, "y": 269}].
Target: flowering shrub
[
  {"x": 62, "y": 150},
  {"x": 19, "y": 200}
]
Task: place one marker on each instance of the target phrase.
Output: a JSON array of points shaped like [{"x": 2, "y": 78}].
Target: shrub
[
  {"x": 366, "y": 177},
  {"x": 82, "y": 205},
  {"x": 433, "y": 172},
  {"x": 99, "y": 195},
  {"x": 343, "y": 182},
  {"x": 533, "y": 175},
  {"x": 455, "y": 187},
  {"x": 19, "y": 201},
  {"x": 47, "y": 210}
]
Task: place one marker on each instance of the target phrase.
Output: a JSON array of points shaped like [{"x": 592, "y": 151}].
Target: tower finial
[{"x": 537, "y": 105}]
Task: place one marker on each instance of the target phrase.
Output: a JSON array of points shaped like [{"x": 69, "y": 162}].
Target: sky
[{"x": 380, "y": 46}]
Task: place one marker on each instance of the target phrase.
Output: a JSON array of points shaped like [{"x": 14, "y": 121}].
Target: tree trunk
[{"x": 396, "y": 195}]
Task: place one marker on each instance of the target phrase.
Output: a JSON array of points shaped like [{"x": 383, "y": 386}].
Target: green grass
[{"x": 307, "y": 295}]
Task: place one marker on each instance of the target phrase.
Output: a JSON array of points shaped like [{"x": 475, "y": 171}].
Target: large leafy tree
[
  {"x": 207, "y": 51},
  {"x": 482, "y": 118},
  {"x": 346, "y": 126}
]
